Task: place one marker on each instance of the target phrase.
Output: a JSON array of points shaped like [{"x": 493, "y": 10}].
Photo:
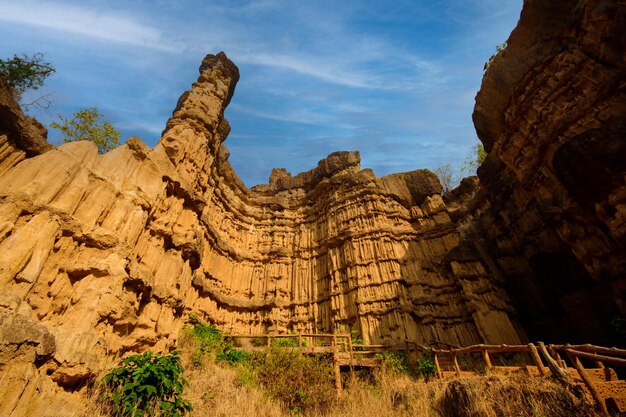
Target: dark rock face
[
  {"x": 552, "y": 114},
  {"x": 20, "y": 136}
]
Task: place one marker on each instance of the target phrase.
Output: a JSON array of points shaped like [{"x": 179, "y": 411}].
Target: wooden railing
[
  {"x": 340, "y": 345},
  {"x": 552, "y": 355},
  {"x": 550, "y": 359}
]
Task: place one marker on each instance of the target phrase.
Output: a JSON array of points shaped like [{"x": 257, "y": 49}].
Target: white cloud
[
  {"x": 82, "y": 21},
  {"x": 350, "y": 71},
  {"x": 299, "y": 116}
]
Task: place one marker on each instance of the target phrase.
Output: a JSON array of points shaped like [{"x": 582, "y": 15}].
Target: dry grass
[
  {"x": 219, "y": 392},
  {"x": 515, "y": 395}
]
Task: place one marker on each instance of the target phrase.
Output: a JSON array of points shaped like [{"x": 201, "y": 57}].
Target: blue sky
[{"x": 395, "y": 80}]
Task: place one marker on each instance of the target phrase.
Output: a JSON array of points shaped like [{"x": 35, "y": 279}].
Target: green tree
[
  {"x": 23, "y": 73},
  {"x": 474, "y": 159},
  {"x": 87, "y": 124}
]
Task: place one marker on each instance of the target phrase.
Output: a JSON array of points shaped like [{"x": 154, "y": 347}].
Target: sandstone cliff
[
  {"x": 106, "y": 254},
  {"x": 551, "y": 112}
]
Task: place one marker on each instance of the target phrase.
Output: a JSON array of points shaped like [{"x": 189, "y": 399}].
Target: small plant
[
  {"x": 425, "y": 367},
  {"x": 302, "y": 383},
  {"x": 210, "y": 340},
  {"x": 146, "y": 383},
  {"x": 395, "y": 362},
  {"x": 474, "y": 160},
  {"x": 207, "y": 338},
  {"x": 501, "y": 47},
  {"x": 231, "y": 355},
  {"x": 285, "y": 342}
]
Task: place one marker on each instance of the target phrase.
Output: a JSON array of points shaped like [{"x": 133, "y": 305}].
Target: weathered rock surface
[
  {"x": 552, "y": 114},
  {"x": 106, "y": 254}
]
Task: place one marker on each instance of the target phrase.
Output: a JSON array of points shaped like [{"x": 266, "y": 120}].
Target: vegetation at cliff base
[
  {"x": 147, "y": 383},
  {"x": 88, "y": 124},
  {"x": 281, "y": 381}
]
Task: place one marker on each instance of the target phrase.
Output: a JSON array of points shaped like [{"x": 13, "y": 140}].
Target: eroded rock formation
[
  {"x": 105, "y": 254},
  {"x": 551, "y": 112}
]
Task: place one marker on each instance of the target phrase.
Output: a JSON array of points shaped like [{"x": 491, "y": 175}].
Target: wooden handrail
[
  {"x": 591, "y": 348},
  {"x": 601, "y": 358},
  {"x": 481, "y": 348},
  {"x": 289, "y": 335}
]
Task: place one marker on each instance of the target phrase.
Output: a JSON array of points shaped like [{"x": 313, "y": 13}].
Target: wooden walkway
[{"x": 585, "y": 365}]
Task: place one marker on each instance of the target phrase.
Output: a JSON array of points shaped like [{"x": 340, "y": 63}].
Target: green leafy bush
[
  {"x": 285, "y": 342},
  {"x": 425, "y": 367},
  {"x": 208, "y": 335},
  {"x": 229, "y": 354},
  {"x": 210, "y": 341},
  {"x": 24, "y": 73},
  {"x": 301, "y": 382},
  {"x": 143, "y": 384},
  {"x": 87, "y": 124},
  {"x": 395, "y": 362}
]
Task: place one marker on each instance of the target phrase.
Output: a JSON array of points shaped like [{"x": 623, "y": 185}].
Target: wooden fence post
[
  {"x": 585, "y": 377},
  {"x": 487, "y": 359},
  {"x": 536, "y": 358},
  {"x": 337, "y": 369},
  {"x": 554, "y": 367},
  {"x": 437, "y": 367},
  {"x": 457, "y": 368}
]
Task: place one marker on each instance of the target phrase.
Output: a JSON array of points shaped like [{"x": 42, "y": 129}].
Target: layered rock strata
[
  {"x": 551, "y": 112},
  {"x": 107, "y": 254}
]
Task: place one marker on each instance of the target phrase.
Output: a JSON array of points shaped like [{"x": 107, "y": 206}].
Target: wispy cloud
[
  {"x": 84, "y": 21},
  {"x": 351, "y": 71},
  {"x": 303, "y": 117}
]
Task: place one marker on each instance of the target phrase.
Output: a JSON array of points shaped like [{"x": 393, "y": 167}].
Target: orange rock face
[{"x": 106, "y": 254}]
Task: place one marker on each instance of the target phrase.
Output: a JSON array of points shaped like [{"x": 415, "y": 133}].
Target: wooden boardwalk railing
[
  {"x": 339, "y": 345},
  {"x": 565, "y": 362},
  {"x": 601, "y": 382}
]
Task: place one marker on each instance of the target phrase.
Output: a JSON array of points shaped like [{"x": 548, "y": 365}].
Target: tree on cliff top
[
  {"x": 87, "y": 124},
  {"x": 446, "y": 177},
  {"x": 474, "y": 159},
  {"x": 25, "y": 73}
]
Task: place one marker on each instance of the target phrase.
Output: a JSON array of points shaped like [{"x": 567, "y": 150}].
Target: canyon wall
[
  {"x": 108, "y": 254},
  {"x": 551, "y": 112}
]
